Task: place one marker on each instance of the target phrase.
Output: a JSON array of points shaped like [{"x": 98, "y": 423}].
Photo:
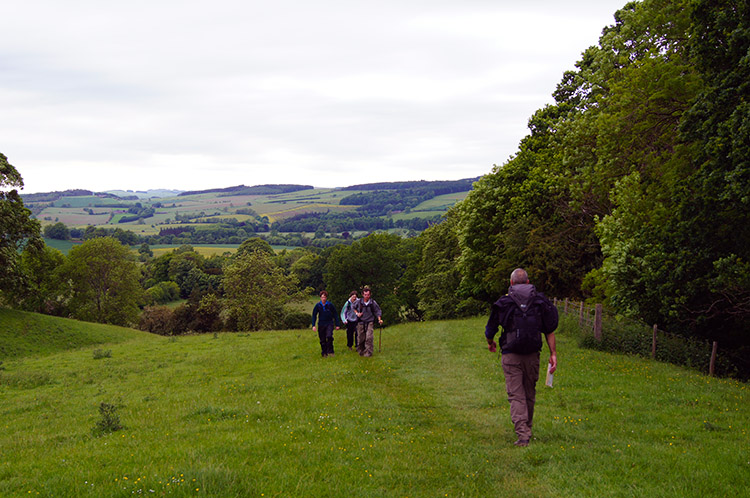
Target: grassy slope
[
  {"x": 263, "y": 415},
  {"x": 24, "y": 334}
]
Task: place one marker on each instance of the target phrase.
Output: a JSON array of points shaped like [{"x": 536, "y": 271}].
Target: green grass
[
  {"x": 441, "y": 203},
  {"x": 24, "y": 334},
  {"x": 263, "y": 415},
  {"x": 64, "y": 246}
]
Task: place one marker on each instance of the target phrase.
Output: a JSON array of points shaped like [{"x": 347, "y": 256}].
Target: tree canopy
[
  {"x": 104, "y": 282},
  {"x": 17, "y": 228}
]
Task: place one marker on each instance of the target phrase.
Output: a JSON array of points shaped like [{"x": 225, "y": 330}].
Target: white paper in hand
[{"x": 550, "y": 376}]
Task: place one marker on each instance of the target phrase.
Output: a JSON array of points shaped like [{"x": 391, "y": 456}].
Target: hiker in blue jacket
[
  {"x": 325, "y": 314},
  {"x": 349, "y": 317}
]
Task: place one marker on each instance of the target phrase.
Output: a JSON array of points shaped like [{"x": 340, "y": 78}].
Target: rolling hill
[{"x": 262, "y": 414}]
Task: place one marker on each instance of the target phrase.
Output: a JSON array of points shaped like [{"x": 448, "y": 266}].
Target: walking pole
[{"x": 380, "y": 336}]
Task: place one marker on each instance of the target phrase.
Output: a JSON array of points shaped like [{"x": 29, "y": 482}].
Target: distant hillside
[
  {"x": 379, "y": 199},
  {"x": 57, "y": 195},
  {"x": 145, "y": 194},
  {"x": 439, "y": 187},
  {"x": 24, "y": 334},
  {"x": 254, "y": 190},
  {"x": 284, "y": 214}
]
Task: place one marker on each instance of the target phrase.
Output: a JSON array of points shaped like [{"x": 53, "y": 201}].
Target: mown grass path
[{"x": 263, "y": 415}]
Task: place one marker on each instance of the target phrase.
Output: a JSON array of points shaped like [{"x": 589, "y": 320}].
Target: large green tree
[
  {"x": 17, "y": 228},
  {"x": 256, "y": 290},
  {"x": 103, "y": 281},
  {"x": 379, "y": 261}
]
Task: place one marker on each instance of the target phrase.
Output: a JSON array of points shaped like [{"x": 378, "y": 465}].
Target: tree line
[{"x": 633, "y": 188}]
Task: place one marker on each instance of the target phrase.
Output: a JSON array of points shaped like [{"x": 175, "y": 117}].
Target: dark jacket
[
  {"x": 370, "y": 310},
  {"x": 521, "y": 296},
  {"x": 326, "y": 315}
]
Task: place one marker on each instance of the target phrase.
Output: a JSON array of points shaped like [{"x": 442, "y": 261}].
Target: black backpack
[{"x": 524, "y": 332}]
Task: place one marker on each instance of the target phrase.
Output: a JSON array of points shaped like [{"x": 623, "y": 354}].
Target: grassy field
[
  {"x": 262, "y": 414},
  {"x": 209, "y": 250},
  {"x": 27, "y": 334},
  {"x": 441, "y": 202},
  {"x": 205, "y": 250},
  {"x": 70, "y": 210},
  {"x": 107, "y": 212}
]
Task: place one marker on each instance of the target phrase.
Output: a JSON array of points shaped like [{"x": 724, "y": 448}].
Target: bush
[
  {"x": 163, "y": 292},
  {"x": 157, "y": 320},
  {"x": 109, "y": 420},
  {"x": 292, "y": 320}
]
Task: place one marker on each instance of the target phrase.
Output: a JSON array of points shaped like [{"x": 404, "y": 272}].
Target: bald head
[{"x": 519, "y": 276}]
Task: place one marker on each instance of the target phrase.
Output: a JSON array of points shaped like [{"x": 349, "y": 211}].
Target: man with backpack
[
  {"x": 367, "y": 310},
  {"x": 524, "y": 314}
]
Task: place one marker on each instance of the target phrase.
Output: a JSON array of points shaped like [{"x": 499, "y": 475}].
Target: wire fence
[{"x": 607, "y": 331}]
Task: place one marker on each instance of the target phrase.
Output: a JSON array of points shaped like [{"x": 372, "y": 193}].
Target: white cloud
[{"x": 198, "y": 94}]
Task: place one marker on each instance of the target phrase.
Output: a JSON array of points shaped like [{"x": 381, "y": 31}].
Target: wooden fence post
[
  {"x": 598, "y": 323},
  {"x": 565, "y": 308},
  {"x": 653, "y": 344},
  {"x": 580, "y": 316},
  {"x": 712, "y": 365}
]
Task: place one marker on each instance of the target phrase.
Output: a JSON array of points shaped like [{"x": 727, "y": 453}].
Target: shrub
[
  {"x": 295, "y": 320},
  {"x": 102, "y": 353},
  {"x": 157, "y": 320},
  {"x": 163, "y": 292},
  {"x": 109, "y": 420}
]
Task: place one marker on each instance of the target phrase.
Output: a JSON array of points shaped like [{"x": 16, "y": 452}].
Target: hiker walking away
[
  {"x": 349, "y": 318},
  {"x": 325, "y": 314},
  {"x": 524, "y": 314},
  {"x": 367, "y": 311}
]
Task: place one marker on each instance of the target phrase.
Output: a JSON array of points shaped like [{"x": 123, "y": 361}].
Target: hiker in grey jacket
[
  {"x": 349, "y": 317},
  {"x": 367, "y": 311},
  {"x": 525, "y": 315}
]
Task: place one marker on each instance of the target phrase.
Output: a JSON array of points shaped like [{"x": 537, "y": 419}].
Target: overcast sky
[{"x": 144, "y": 94}]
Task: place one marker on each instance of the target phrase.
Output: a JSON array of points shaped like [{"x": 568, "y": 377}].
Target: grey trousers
[
  {"x": 521, "y": 374},
  {"x": 365, "y": 338}
]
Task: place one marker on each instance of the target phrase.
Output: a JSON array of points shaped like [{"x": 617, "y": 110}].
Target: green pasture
[
  {"x": 208, "y": 250},
  {"x": 415, "y": 214},
  {"x": 86, "y": 201},
  {"x": 31, "y": 334},
  {"x": 64, "y": 246},
  {"x": 262, "y": 414},
  {"x": 204, "y": 250},
  {"x": 440, "y": 203}
]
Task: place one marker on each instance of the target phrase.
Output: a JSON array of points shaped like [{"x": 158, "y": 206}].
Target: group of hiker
[
  {"x": 357, "y": 314},
  {"x": 523, "y": 313}
]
